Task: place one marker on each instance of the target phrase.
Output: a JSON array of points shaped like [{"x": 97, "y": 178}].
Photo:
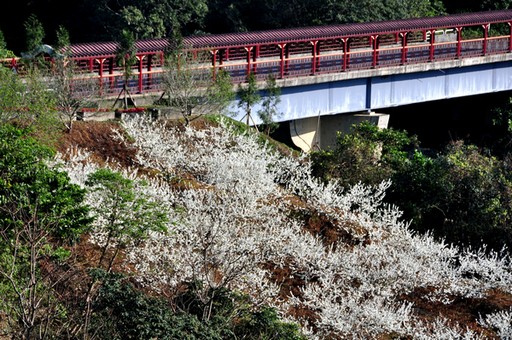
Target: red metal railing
[{"x": 299, "y": 58}]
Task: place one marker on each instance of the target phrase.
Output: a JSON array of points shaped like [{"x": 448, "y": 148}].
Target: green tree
[
  {"x": 462, "y": 195},
  {"x": 125, "y": 217},
  {"x": 123, "y": 213},
  {"x": 495, "y": 4},
  {"x": 245, "y": 15},
  {"x": 126, "y": 313},
  {"x": 148, "y": 18},
  {"x": 70, "y": 92},
  {"x": 193, "y": 89},
  {"x": 63, "y": 42},
  {"x": 28, "y": 101},
  {"x": 189, "y": 86},
  {"x": 4, "y": 52},
  {"x": 501, "y": 128},
  {"x": 34, "y": 33},
  {"x": 3, "y": 44},
  {"x": 40, "y": 211},
  {"x": 269, "y": 112},
  {"x": 126, "y": 58},
  {"x": 248, "y": 96},
  {"x": 368, "y": 154}
]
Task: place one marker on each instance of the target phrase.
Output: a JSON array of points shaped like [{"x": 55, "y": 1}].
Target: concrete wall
[{"x": 315, "y": 133}]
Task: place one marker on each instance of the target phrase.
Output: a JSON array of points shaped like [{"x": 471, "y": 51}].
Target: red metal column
[
  {"x": 459, "y": 41},
  {"x": 141, "y": 76},
  {"x": 281, "y": 72},
  {"x": 432, "y": 42},
  {"x": 255, "y": 57},
  {"x": 345, "y": 53},
  {"x": 248, "y": 71},
  {"x": 486, "y": 36},
  {"x": 375, "y": 45},
  {"x": 404, "y": 47},
  {"x": 313, "y": 62},
  {"x": 13, "y": 64}
]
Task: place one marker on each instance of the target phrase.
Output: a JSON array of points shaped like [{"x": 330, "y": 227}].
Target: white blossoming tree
[{"x": 237, "y": 209}]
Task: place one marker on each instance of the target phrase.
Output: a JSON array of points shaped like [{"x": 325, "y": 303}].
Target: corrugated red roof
[
  {"x": 304, "y": 34},
  {"x": 109, "y": 48},
  {"x": 350, "y": 30}
]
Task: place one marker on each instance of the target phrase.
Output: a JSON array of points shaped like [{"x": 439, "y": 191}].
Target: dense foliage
[
  {"x": 40, "y": 212},
  {"x": 105, "y": 20},
  {"x": 461, "y": 194},
  {"x": 126, "y": 313},
  {"x": 238, "y": 222},
  {"x": 213, "y": 235}
]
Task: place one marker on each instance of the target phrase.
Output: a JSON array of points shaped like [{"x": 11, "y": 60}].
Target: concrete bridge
[
  {"x": 327, "y": 73},
  {"x": 313, "y": 105}
]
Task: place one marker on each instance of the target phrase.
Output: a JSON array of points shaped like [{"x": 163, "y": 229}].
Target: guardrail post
[
  {"x": 150, "y": 80},
  {"x": 214, "y": 63},
  {"x": 100, "y": 72},
  {"x": 510, "y": 38},
  {"x": 255, "y": 57},
  {"x": 111, "y": 63}
]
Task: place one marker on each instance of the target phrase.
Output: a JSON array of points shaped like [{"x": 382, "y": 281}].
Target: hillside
[{"x": 246, "y": 218}]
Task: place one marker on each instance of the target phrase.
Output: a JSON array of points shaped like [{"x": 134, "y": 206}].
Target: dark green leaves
[{"x": 30, "y": 191}]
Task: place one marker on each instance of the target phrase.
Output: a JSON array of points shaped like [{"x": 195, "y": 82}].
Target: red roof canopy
[{"x": 99, "y": 49}]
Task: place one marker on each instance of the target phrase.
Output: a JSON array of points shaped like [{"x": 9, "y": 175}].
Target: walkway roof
[{"x": 98, "y": 49}]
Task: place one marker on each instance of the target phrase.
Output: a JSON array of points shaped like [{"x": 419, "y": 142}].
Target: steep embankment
[{"x": 249, "y": 219}]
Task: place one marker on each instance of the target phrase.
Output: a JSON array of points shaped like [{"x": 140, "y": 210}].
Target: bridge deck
[{"x": 316, "y": 54}]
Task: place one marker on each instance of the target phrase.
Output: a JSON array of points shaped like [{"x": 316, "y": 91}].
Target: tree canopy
[{"x": 104, "y": 20}]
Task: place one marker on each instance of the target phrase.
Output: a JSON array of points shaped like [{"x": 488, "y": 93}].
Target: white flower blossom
[{"x": 231, "y": 222}]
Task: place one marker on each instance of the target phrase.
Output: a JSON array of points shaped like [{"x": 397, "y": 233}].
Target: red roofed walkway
[{"x": 314, "y": 51}]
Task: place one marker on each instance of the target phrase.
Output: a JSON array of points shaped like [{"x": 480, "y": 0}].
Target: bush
[
  {"x": 461, "y": 195},
  {"x": 40, "y": 210},
  {"x": 126, "y": 313},
  {"x": 368, "y": 154}
]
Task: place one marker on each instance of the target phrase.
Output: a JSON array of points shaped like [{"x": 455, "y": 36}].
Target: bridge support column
[{"x": 320, "y": 133}]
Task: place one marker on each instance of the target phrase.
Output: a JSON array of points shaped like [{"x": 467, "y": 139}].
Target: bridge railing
[
  {"x": 309, "y": 57},
  {"x": 301, "y": 64}
]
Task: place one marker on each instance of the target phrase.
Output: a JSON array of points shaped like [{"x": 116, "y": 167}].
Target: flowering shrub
[
  {"x": 236, "y": 222},
  {"x": 501, "y": 321}
]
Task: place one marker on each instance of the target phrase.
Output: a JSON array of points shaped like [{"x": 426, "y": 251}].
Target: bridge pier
[{"x": 319, "y": 133}]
